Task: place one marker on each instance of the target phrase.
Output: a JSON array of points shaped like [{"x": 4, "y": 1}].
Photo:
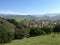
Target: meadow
[{"x": 51, "y": 39}]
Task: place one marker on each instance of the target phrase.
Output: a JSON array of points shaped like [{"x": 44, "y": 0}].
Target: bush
[
  {"x": 47, "y": 29},
  {"x": 13, "y": 21},
  {"x": 35, "y": 31},
  {"x": 21, "y": 32},
  {"x": 5, "y": 35},
  {"x": 56, "y": 28}
]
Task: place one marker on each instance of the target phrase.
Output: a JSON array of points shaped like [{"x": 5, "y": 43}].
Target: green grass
[
  {"x": 19, "y": 19},
  {"x": 39, "y": 40}
]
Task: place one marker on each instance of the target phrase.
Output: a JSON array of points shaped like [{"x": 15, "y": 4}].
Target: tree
[
  {"x": 5, "y": 35},
  {"x": 47, "y": 29},
  {"x": 13, "y": 21},
  {"x": 56, "y": 28},
  {"x": 35, "y": 31},
  {"x": 21, "y": 32}
]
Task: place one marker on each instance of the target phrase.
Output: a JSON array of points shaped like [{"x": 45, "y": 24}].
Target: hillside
[
  {"x": 29, "y": 17},
  {"x": 20, "y": 18},
  {"x": 31, "y": 30},
  {"x": 7, "y": 25},
  {"x": 39, "y": 40}
]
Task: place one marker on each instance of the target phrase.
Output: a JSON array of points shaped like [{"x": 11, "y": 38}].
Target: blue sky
[{"x": 29, "y": 6}]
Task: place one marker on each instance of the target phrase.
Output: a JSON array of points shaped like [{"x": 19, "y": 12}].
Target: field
[{"x": 52, "y": 39}]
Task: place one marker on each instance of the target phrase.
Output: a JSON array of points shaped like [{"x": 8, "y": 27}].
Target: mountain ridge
[{"x": 30, "y": 17}]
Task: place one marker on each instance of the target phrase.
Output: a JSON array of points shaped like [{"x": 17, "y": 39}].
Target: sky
[{"x": 29, "y": 7}]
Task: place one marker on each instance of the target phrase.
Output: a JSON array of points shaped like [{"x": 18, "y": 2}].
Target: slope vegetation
[{"x": 39, "y": 40}]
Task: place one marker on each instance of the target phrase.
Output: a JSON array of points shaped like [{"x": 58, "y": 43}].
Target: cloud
[
  {"x": 11, "y": 12},
  {"x": 17, "y": 13},
  {"x": 28, "y": 13}
]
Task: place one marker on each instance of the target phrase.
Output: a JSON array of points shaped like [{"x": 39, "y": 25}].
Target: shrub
[
  {"x": 5, "y": 35},
  {"x": 56, "y": 28},
  {"x": 35, "y": 31},
  {"x": 47, "y": 29},
  {"x": 21, "y": 33}
]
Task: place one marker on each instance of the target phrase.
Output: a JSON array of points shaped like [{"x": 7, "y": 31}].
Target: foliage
[
  {"x": 56, "y": 28},
  {"x": 47, "y": 29},
  {"x": 38, "y": 40},
  {"x": 13, "y": 21},
  {"x": 11, "y": 29},
  {"x": 5, "y": 35},
  {"x": 21, "y": 32},
  {"x": 35, "y": 31}
]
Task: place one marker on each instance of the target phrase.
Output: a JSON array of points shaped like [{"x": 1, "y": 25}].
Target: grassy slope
[
  {"x": 19, "y": 19},
  {"x": 7, "y": 25},
  {"x": 28, "y": 17},
  {"x": 39, "y": 40}
]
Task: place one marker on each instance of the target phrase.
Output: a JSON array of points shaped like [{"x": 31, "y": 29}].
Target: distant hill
[
  {"x": 57, "y": 17},
  {"x": 19, "y": 18},
  {"x": 45, "y": 18}
]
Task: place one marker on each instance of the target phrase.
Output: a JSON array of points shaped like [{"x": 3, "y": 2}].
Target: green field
[{"x": 39, "y": 40}]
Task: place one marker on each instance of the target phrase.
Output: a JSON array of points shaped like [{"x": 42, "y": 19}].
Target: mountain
[
  {"x": 57, "y": 17},
  {"x": 45, "y": 17},
  {"x": 19, "y": 18}
]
